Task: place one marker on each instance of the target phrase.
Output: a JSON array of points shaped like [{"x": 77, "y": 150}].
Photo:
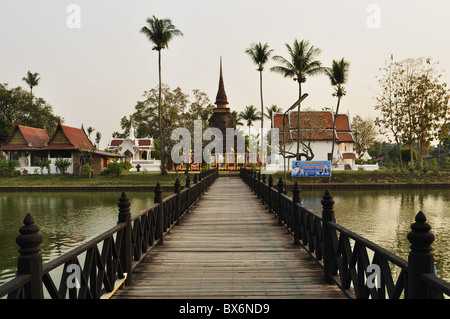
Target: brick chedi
[{"x": 222, "y": 117}]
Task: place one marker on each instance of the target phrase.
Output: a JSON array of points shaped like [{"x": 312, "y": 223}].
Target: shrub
[
  {"x": 87, "y": 168},
  {"x": 62, "y": 164},
  {"x": 8, "y": 168}
]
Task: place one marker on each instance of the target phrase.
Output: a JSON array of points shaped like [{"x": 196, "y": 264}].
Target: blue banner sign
[{"x": 311, "y": 168}]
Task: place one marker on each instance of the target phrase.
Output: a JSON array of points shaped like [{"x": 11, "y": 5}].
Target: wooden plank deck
[{"x": 229, "y": 246}]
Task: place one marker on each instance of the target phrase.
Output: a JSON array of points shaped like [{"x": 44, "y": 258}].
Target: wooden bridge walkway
[{"x": 229, "y": 246}]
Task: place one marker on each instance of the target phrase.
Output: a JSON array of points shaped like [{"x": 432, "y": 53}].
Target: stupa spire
[{"x": 221, "y": 98}]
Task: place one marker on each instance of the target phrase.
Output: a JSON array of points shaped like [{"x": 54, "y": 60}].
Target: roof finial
[{"x": 221, "y": 98}]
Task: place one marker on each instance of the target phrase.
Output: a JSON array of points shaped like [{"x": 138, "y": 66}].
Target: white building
[
  {"x": 316, "y": 137},
  {"x": 137, "y": 151}
]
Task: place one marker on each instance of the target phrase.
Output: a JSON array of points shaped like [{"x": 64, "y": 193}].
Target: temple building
[
  {"x": 137, "y": 151},
  {"x": 222, "y": 117}
]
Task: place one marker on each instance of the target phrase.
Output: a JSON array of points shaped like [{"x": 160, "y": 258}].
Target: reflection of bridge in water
[{"x": 227, "y": 237}]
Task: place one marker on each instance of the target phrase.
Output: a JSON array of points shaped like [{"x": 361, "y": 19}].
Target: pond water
[{"x": 67, "y": 220}]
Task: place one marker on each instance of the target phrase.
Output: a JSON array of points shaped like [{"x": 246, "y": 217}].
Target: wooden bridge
[
  {"x": 229, "y": 246},
  {"x": 227, "y": 237}
]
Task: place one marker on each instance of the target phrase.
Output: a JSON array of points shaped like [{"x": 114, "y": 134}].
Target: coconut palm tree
[
  {"x": 260, "y": 54},
  {"x": 301, "y": 63},
  {"x": 250, "y": 114},
  {"x": 98, "y": 137},
  {"x": 32, "y": 79},
  {"x": 271, "y": 111},
  {"x": 160, "y": 32},
  {"x": 338, "y": 74},
  {"x": 237, "y": 117}
]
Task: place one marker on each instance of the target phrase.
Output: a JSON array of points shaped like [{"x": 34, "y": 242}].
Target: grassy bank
[
  {"x": 151, "y": 178},
  {"x": 364, "y": 177}
]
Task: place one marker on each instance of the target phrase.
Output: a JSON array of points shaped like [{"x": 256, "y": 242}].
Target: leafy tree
[
  {"x": 160, "y": 32},
  {"x": 413, "y": 104},
  {"x": 301, "y": 63},
  {"x": 177, "y": 111},
  {"x": 338, "y": 74},
  {"x": 15, "y": 104},
  {"x": 364, "y": 132}
]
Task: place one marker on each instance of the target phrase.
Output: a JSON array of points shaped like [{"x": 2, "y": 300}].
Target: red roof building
[
  {"x": 30, "y": 146},
  {"x": 316, "y": 134}
]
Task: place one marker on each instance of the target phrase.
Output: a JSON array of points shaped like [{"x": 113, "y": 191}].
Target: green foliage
[
  {"x": 116, "y": 168},
  {"x": 62, "y": 164},
  {"x": 87, "y": 168},
  {"x": 8, "y": 168},
  {"x": 18, "y": 104},
  {"x": 406, "y": 154},
  {"x": 45, "y": 163}
]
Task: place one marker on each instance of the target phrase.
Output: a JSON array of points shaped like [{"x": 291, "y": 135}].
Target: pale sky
[{"x": 94, "y": 75}]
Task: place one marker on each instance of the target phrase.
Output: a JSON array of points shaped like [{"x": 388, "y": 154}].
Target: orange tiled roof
[
  {"x": 77, "y": 139},
  {"x": 34, "y": 137},
  {"x": 316, "y": 125}
]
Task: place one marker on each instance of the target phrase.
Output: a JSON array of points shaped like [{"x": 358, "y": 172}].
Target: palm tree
[
  {"x": 302, "y": 63},
  {"x": 90, "y": 129},
  {"x": 338, "y": 74},
  {"x": 160, "y": 32},
  {"x": 98, "y": 137},
  {"x": 271, "y": 111},
  {"x": 32, "y": 79},
  {"x": 237, "y": 117},
  {"x": 250, "y": 114},
  {"x": 260, "y": 53}
]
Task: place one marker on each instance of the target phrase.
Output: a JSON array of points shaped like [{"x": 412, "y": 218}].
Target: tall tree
[
  {"x": 250, "y": 114},
  {"x": 301, "y": 63},
  {"x": 98, "y": 137},
  {"x": 414, "y": 103},
  {"x": 32, "y": 79},
  {"x": 15, "y": 105},
  {"x": 237, "y": 117},
  {"x": 338, "y": 74},
  {"x": 260, "y": 54},
  {"x": 160, "y": 32}
]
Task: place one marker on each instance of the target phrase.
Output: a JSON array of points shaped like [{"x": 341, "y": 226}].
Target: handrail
[
  {"x": 344, "y": 255},
  {"x": 98, "y": 267}
]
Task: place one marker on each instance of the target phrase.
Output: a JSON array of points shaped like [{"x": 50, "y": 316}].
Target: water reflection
[
  {"x": 385, "y": 218},
  {"x": 68, "y": 219}
]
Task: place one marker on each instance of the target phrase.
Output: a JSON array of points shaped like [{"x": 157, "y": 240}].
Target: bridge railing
[
  {"x": 361, "y": 268},
  {"x": 97, "y": 268}
]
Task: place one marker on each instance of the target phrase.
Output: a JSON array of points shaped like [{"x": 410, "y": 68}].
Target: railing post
[
  {"x": 280, "y": 191},
  {"x": 263, "y": 189},
  {"x": 126, "y": 245},
  {"x": 177, "y": 190},
  {"x": 188, "y": 196},
  {"x": 327, "y": 216},
  {"x": 160, "y": 218},
  {"x": 296, "y": 199},
  {"x": 420, "y": 259},
  {"x": 30, "y": 259},
  {"x": 270, "y": 181}
]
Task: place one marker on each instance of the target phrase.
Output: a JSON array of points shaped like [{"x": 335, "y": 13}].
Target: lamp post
[{"x": 284, "y": 142}]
